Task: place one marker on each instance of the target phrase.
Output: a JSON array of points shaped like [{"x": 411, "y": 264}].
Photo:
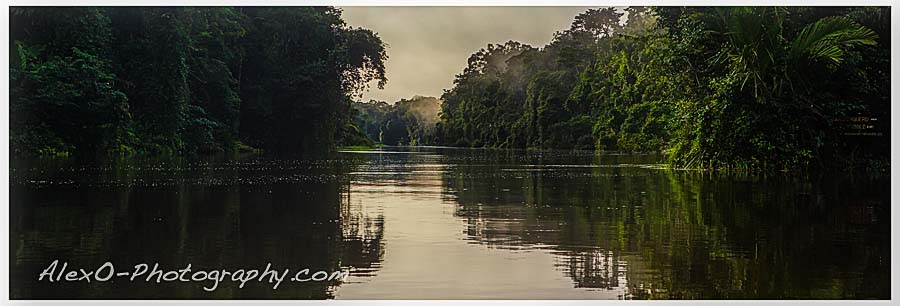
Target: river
[{"x": 444, "y": 223}]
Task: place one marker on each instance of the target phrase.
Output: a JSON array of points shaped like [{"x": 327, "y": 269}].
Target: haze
[{"x": 428, "y": 46}]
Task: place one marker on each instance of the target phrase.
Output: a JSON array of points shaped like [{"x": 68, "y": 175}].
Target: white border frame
[{"x": 4, "y": 142}]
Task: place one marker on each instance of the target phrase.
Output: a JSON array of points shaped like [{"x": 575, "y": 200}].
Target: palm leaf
[
  {"x": 753, "y": 36},
  {"x": 828, "y": 39}
]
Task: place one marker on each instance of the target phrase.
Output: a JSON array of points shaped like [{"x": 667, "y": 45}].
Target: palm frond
[{"x": 828, "y": 39}]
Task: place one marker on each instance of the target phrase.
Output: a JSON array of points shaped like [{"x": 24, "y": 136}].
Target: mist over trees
[
  {"x": 180, "y": 80},
  {"x": 406, "y": 122},
  {"x": 717, "y": 87}
]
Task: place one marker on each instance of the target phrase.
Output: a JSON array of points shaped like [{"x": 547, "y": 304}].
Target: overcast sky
[{"x": 428, "y": 46}]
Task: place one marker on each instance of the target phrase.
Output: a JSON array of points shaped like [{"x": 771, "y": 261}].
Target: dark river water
[{"x": 432, "y": 223}]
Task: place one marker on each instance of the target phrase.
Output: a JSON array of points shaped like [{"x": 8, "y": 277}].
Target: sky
[{"x": 429, "y": 46}]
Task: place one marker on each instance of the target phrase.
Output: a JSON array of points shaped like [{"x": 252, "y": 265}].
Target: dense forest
[
  {"x": 711, "y": 87},
  {"x": 716, "y": 87},
  {"x": 405, "y": 122},
  {"x": 97, "y": 81}
]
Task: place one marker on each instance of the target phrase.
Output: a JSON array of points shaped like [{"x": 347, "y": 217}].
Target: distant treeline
[
  {"x": 183, "y": 80},
  {"x": 406, "y": 122},
  {"x": 746, "y": 87}
]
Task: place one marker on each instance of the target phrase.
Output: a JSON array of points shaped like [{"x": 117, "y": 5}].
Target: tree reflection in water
[
  {"x": 241, "y": 215},
  {"x": 659, "y": 234},
  {"x": 455, "y": 224}
]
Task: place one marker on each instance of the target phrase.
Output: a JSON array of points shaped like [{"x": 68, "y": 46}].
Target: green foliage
[
  {"x": 724, "y": 87},
  {"x": 487, "y": 104},
  {"x": 828, "y": 38},
  {"x": 513, "y": 95},
  {"x": 185, "y": 80},
  {"x": 768, "y": 108},
  {"x": 406, "y": 122},
  {"x": 64, "y": 98},
  {"x": 150, "y": 47},
  {"x": 296, "y": 81}
]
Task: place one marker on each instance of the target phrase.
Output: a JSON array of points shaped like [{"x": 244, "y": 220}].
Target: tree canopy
[
  {"x": 711, "y": 87},
  {"x": 724, "y": 87},
  {"x": 179, "y": 80}
]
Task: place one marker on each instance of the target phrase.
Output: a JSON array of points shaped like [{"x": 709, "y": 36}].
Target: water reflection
[
  {"x": 455, "y": 224},
  {"x": 686, "y": 235},
  {"x": 213, "y": 216}
]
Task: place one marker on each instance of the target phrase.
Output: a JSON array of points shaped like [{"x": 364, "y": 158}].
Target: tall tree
[{"x": 64, "y": 95}]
